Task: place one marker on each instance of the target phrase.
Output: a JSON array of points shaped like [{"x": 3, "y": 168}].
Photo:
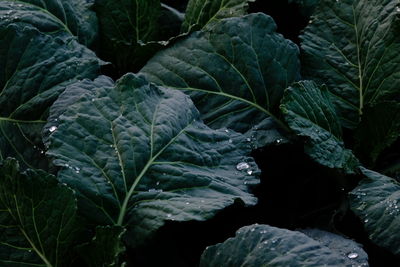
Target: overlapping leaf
[
  {"x": 37, "y": 218},
  {"x": 74, "y": 15},
  {"x": 263, "y": 245},
  {"x": 138, "y": 155},
  {"x": 352, "y": 46},
  {"x": 199, "y": 13},
  {"x": 38, "y": 59},
  {"x": 235, "y": 71},
  {"x": 310, "y": 113},
  {"x": 376, "y": 201}
]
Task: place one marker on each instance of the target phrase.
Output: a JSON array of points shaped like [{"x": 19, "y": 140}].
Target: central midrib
[
  {"x": 360, "y": 73},
  {"x": 142, "y": 173}
]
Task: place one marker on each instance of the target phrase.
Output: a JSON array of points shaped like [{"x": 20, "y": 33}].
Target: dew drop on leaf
[
  {"x": 352, "y": 255},
  {"x": 52, "y": 129},
  {"x": 242, "y": 166}
]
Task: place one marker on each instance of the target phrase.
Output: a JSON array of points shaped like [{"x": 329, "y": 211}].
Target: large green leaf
[
  {"x": 126, "y": 27},
  {"x": 310, "y": 113},
  {"x": 37, "y": 218},
  {"x": 352, "y": 46},
  {"x": 263, "y": 245},
  {"x": 375, "y": 200},
  {"x": 74, "y": 15},
  {"x": 38, "y": 59},
  {"x": 235, "y": 71},
  {"x": 138, "y": 155},
  {"x": 199, "y": 13}
]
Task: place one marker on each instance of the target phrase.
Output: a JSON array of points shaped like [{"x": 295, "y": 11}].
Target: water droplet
[
  {"x": 352, "y": 255},
  {"x": 30, "y": 250},
  {"x": 158, "y": 183},
  {"x": 227, "y": 131},
  {"x": 169, "y": 215},
  {"x": 252, "y": 229},
  {"x": 164, "y": 173},
  {"x": 242, "y": 166},
  {"x": 52, "y": 128},
  {"x": 41, "y": 152},
  {"x": 265, "y": 242},
  {"x": 202, "y": 201},
  {"x": 310, "y": 21},
  {"x": 187, "y": 203},
  {"x": 249, "y": 172},
  {"x": 398, "y": 9},
  {"x": 279, "y": 141},
  {"x": 248, "y": 139},
  {"x": 366, "y": 220},
  {"x": 230, "y": 141},
  {"x": 92, "y": 99},
  {"x": 263, "y": 232}
]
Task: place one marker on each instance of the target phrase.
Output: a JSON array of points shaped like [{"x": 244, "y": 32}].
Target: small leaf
[
  {"x": 105, "y": 248},
  {"x": 263, "y": 245},
  {"x": 37, "y": 218},
  {"x": 138, "y": 155},
  {"x": 126, "y": 27},
  {"x": 379, "y": 128},
  {"x": 310, "y": 113},
  {"x": 235, "y": 71},
  {"x": 199, "y": 13},
  {"x": 376, "y": 202}
]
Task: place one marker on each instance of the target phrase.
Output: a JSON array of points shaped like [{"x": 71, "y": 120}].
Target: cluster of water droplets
[
  {"x": 244, "y": 166},
  {"x": 75, "y": 169},
  {"x": 391, "y": 207}
]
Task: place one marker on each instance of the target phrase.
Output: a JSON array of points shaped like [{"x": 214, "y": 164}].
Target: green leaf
[
  {"x": 375, "y": 200},
  {"x": 138, "y": 155},
  {"x": 199, "y": 13},
  {"x": 37, "y": 218},
  {"x": 263, "y": 245},
  {"x": 310, "y": 113},
  {"x": 36, "y": 64},
  {"x": 125, "y": 29},
  {"x": 105, "y": 248},
  {"x": 352, "y": 46},
  {"x": 74, "y": 16},
  {"x": 235, "y": 70},
  {"x": 379, "y": 128}
]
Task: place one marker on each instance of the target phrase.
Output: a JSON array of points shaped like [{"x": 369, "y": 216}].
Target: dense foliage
[{"x": 199, "y": 133}]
